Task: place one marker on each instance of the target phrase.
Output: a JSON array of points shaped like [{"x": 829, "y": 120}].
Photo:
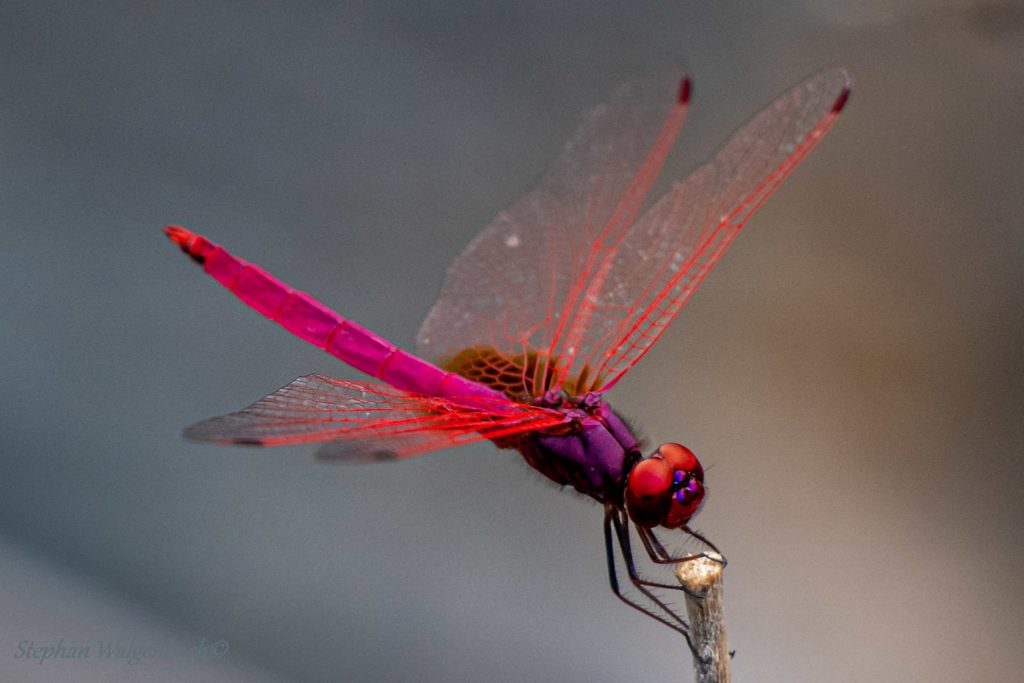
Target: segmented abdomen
[{"x": 310, "y": 320}]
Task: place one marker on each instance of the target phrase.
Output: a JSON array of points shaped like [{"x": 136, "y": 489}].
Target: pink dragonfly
[{"x": 543, "y": 313}]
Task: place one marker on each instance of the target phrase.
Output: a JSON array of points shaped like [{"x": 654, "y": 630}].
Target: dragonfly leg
[
  {"x": 659, "y": 555},
  {"x": 706, "y": 542},
  {"x": 621, "y": 523},
  {"x": 663, "y": 613}
]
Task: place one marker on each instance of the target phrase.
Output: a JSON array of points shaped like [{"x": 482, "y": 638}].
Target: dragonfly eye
[
  {"x": 681, "y": 459},
  {"x": 665, "y": 489},
  {"x": 687, "y": 484},
  {"x": 649, "y": 491}
]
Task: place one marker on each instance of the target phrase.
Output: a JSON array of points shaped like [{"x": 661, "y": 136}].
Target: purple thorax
[{"x": 592, "y": 452}]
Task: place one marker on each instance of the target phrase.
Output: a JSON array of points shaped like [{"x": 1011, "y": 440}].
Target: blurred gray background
[{"x": 851, "y": 373}]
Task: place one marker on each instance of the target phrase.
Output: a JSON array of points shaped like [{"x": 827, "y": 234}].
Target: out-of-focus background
[{"x": 851, "y": 372}]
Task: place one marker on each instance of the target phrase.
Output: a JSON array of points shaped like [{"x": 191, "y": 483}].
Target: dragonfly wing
[
  {"x": 669, "y": 251},
  {"x": 516, "y": 285},
  {"x": 367, "y": 420}
]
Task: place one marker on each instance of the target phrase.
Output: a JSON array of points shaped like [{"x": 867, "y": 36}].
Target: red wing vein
[
  {"x": 518, "y": 287},
  {"x": 374, "y": 419},
  {"x": 670, "y": 250}
]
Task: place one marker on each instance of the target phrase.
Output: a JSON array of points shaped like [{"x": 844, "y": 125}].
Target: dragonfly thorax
[{"x": 592, "y": 451}]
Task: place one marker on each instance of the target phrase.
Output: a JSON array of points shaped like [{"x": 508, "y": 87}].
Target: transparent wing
[
  {"x": 669, "y": 251},
  {"x": 518, "y": 287},
  {"x": 566, "y": 281},
  {"x": 367, "y": 420}
]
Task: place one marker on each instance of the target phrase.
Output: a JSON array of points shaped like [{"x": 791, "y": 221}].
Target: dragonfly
[{"x": 542, "y": 314}]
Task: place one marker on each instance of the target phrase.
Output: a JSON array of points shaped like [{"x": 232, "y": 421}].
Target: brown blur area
[
  {"x": 851, "y": 374},
  {"x": 866, "y": 344}
]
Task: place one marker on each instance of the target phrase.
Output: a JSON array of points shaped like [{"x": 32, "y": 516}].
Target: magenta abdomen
[
  {"x": 308, "y": 319},
  {"x": 375, "y": 356},
  {"x": 466, "y": 391},
  {"x": 405, "y": 371},
  {"x": 360, "y": 348},
  {"x": 260, "y": 290},
  {"x": 297, "y": 312},
  {"x": 222, "y": 266}
]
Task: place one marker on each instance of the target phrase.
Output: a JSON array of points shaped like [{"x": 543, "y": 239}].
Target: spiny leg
[
  {"x": 678, "y": 625},
  {"x": 660, "y": 555},
  {"x": 621, "y": 522}
]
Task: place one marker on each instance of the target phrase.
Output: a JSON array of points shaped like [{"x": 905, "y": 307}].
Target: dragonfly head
[{"x": 665, "y": 489}]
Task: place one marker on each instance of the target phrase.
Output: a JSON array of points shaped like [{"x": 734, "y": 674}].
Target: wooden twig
[{"x": 702, "y": 577}]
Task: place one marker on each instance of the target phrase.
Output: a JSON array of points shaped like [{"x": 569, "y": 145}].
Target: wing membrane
[
  {"x": 566, "y": 285},
  {"x": 521, "y": 284},
  {"x": 669, "y": 251},
  {"x": 367, "y": 420}
]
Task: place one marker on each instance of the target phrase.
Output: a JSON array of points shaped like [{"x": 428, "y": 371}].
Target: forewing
[
  {"x": 367, "y": 420},
  {"x": 517, "y": 286},
  {"x": 669, "y": 251}
]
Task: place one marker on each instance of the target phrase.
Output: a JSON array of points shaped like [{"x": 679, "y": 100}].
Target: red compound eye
[
  {"x": 681, "y": 458},
  {"x": 651, "y": 477},
  {"x": 649, "y": 491},
  {"x": 684, "y": 505},
  {"x": 665, "y": 489}
]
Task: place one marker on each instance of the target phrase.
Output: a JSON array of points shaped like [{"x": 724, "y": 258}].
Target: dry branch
[{"x": 702, "y": 577}]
